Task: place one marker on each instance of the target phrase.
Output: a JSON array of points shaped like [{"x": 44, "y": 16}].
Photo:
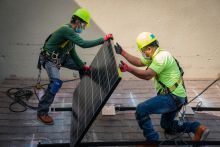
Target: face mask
[
  {"x": 145, "y": 57},
  {"x": 79, "y": 30}
]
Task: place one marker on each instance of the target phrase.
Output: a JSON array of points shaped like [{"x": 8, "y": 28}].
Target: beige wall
[{"x": 189, "y": 29}]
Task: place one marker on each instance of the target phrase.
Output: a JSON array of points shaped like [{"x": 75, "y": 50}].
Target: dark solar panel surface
[{"x": 93, "y": 92}]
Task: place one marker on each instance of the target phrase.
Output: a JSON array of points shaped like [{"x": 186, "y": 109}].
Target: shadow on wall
[{"x": 26, "y": 27}]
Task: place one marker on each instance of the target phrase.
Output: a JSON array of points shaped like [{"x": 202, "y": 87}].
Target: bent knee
[{"x": 141, "y": 110}]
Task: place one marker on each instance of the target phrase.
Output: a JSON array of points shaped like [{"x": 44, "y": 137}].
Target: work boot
[
  {"x": 46, "y": 119},
  {"x": 201, "y": 133}
]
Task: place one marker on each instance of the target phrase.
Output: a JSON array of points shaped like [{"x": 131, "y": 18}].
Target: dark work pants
[{"x": 166, "y": 106}]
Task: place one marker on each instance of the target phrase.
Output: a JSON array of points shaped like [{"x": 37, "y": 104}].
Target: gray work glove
[{"x": 118, "y": 48}]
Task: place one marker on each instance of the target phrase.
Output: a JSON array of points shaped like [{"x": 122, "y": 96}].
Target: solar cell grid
[{"x": 93, "y": 92}]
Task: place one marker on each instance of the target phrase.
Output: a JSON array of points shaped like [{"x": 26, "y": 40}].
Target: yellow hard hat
[
  {"x": 83, "y": 14},
  {"x": 144, "y": 39}
]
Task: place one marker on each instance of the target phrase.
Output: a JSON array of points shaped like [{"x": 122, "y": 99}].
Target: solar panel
[{"x": 93, "y": 92}]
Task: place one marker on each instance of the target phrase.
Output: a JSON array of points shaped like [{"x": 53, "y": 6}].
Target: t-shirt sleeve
[{"x": 158, "y": 64}]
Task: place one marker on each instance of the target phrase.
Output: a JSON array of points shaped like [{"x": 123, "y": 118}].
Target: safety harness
[
  {"x": 165, "y": 89},
  {"x": 57, "y": 58},
  {"x": 54, "y": 57},
  {"x": 169, "y": 90}
]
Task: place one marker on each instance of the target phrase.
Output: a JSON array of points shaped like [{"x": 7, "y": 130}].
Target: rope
[
  {"x": 199, "y": 104},
  {"x": 204, "y": 90}
]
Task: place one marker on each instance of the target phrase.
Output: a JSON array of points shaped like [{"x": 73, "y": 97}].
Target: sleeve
[
  {"x": 76, "y": 58},
  {"x": 158, "y": 64},
  {"x": 76, "y": 39}
]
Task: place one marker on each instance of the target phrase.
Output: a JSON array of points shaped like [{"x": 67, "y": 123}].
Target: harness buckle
[
  {"x": 55, "y": 59},
  {"x": 54, "y": 56}
]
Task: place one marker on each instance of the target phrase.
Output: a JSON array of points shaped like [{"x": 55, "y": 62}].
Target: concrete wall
[
  {"x": 24, "y": 26},
  {"x": 189, "y": 29}
]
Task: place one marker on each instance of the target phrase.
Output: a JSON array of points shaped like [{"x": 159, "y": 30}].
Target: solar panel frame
[{"x": 97, "y": 82}]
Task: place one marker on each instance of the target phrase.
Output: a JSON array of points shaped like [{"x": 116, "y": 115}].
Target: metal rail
[{"x": 127, "y": 143}]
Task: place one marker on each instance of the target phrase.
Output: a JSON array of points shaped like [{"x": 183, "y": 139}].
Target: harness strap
[
  {"x": 172, "y": 88},
  {"x": 166, "y": 89},
  {"x": 54, "y": 57}
]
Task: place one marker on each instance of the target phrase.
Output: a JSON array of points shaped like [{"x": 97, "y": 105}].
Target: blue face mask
[{"x": 79, "y": 30}]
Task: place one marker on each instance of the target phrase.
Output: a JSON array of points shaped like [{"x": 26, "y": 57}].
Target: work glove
[
  {"x": 119, "y": 50},
  {"x": 86, "y": 68},
  {"x": 85, "y": 71},
  {"x": 124, "y": 67},
  {"x": 107, "y": 37}
]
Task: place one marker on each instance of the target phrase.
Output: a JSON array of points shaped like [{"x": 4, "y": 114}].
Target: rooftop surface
[{"x": 23, "y": 129}]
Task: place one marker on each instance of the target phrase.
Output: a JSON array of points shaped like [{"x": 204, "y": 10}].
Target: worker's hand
[
  {"x": 107, "y": 37},
  {"x": 119, "y": 50},
  {"x": 85, "y": 71},
  {"x": 86, "y": 68},
  {"x": 124, "y": 67}
]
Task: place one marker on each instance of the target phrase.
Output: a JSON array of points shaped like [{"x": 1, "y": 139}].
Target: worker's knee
[
  {"x": 55, "y": 85},
  {"x": 141, "y": 115},
  {"x": 141, "y": 110},
  {"x": 138, "y": 112}
]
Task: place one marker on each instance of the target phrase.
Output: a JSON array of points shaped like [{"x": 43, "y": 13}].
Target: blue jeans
[
  {"x": 165, "y": 105},
  {"x": 53, "y": 73}
]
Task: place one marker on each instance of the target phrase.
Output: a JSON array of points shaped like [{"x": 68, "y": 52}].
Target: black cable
[
  {"x": 173, "y": 138},
  {"x": 35, "y": 92},
  {"x": 204, "y": 90},
  {"x": 22, "y": 95},
  {"x": 178, "y": 136},
  {"x": 19, "y": 96},
  {"x": 198, "y": 105}
]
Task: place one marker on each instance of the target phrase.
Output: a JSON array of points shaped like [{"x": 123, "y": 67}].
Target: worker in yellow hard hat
[
  {"x": 59, "y": 51},
  {"x": 169, "y": 85}
]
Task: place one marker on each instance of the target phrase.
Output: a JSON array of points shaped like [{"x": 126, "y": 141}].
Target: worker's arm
[
  {"x": 130, "y": 58},
  {"x": 81, "y": 65},
  {"x": 142, "y": 74},
  {"x": 76, "y": 39},
  {"x": 76, "y": 58}
]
